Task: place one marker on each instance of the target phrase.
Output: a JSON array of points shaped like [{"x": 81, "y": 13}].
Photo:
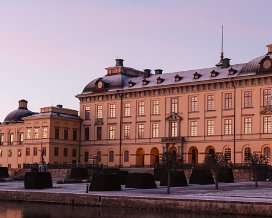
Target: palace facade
[{"x": 129, "y": 117}]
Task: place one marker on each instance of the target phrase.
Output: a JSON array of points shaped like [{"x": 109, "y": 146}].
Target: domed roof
[{"x": 17, "y": 115}]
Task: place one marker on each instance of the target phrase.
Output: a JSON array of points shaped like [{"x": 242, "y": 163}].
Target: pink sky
[{"x": 49, "y": 50}]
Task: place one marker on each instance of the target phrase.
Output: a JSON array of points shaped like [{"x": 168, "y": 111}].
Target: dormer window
[
  {"x": 178, "y": 78},
  {"x": 130, "y": 83},
  {"x": 214, "y": 73},
  {"x": 197, "y": 75},
  {"x": 145, "y": 81},
  {"x": 265, "y": 64},
  {"x": 159, "y": 80},
  {"x": 232, "y": 71}
]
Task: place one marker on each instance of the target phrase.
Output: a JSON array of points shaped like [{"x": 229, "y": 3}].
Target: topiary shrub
[
  {"x": 122, "y": 176},
  {"x": 38, "y": 180},
  {"x": 178, "y": 178},
  {"x": 105, "y": 182},
  {"x": 140, "y": 180},
  {"x": 201, "y": 177},
  {"x": 225, "y": 175},
  {"x": 79, "y": 173},
  {"x": 4, "y": 172}
]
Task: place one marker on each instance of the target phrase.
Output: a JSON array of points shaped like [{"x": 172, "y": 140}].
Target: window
[
  {"x": 111, "y": 132},
  {"x": 141, "y": 108},
  {"x": 155, "y": 107},
  {"x": 44, "y": 133},
  {"x": 210, "y": 102},
  {"x": 65, "y": 134},
  {"x": 140, "y": 131},
  {"x": 247, "y": 153},
  {"x": 21, "y": 138},
  {"x": 127, "y": 110},
  {"x": 74, "y": 152},
  {"x": 56, "y": 151},
  {"x": 227, "y": 126},
  {"x": 87, "y": 133},
  {"x": 266, "y": 152},
  {"x": 1, "y": 139},
  {"x": 247, "y": 99},
  {"x": 126, "y": 131},
  {"x": 126, "y": 156},
  {"x": 9, "y": 166},
  {"x": 112, "y": 110},
  {"x": 36, "y": 133},
  {"x": 227, "y": 154},
  {"x": 65, "y": 152},
  {"x": 35, "y": 151},
  {"x": 87, "y": 113},
  {"x": 27, "y": 151},
  {"x": 11, "y": 139},
  {"x": 1, "y": 153},
  {"x": 99, "y": 112},
  {"x": 56, "y": 133},
  {"x": 193, "y": 128},
  {"x": 19, "y": 166},
  {"x": 111, "y": 156},
  {"x": 86, "y": 156},
  {"x": 267, "y": 125},
  {"x": 210, "y": 127},
  {"x": 193, "y": 103},
  {"x": 44, "y": 151},
  {"x": 174, "y": 129},
  {"x": 267, "y": 97},
  {"x": 248, "y": 125},
  {"x": 19, "y": 152},
  {"x": 228, "y": 101},
  {"x": 174, "y": 105},
  {"x": 155, "y": 130},
  {"x": 28, "y": 134},
  {"x": 74, "y": 135},
  {"x": 98, "y": 133},
  {"x": 9, "y": 153},
  {"x": 98, "y": 153}
]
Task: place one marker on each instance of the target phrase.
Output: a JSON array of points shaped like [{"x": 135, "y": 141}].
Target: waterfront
[{"x": 33, "y": 210}]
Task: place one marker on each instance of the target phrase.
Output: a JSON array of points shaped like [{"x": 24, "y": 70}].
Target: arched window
[
  {"x": 86, "y": 156},
  {"x": 126, "y": 156},
  {"x": 228, "y": 154},
  {"x": 247, "y": 153},
  {"x": 98, "y": 156},
  {"x": 111, "y": 156},
  {"x": 266, "y": 152}
]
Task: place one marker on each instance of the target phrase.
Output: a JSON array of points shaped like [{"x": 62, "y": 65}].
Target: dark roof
[
  {"x": 253, "y": 66},
  {"x": 17, "y": 115},
  {"x": 54, "y": 114}
]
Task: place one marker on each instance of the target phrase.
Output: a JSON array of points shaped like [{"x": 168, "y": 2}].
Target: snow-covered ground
[{"x": 240, "y": 191}]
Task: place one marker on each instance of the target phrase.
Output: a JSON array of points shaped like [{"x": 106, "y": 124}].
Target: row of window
[{"x": 210, "y": 105}]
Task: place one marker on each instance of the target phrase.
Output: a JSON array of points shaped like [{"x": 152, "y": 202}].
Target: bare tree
[{"x": 256, "y": 162}]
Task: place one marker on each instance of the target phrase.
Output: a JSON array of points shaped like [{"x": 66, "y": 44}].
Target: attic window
[
  {"x": 197, "y": 75},
  {"x": 178, "y": 78},
  {"x": 232, "y": 71},
  {"x": 159, "y": 80},
  {"x": 130, "y": 83},
  {"x": 214, "y": 73},
  {"x": 145, "y": 81}
]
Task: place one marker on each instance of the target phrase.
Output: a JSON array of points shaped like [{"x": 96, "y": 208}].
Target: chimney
[
  {"x": 158, "y": 71},
  {"x": 269, "y": 48},
  {"x": 59, "y": 106},
  {"x": 225, "y": 62},
  {"x": 147, "y": 73},
  {"x": 119, "y": 62},
  {"x": 22, "y": 104}
]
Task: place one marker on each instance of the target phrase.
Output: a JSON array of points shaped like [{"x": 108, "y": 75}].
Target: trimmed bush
[
  {"x": 4, "y": 172},
  {"x": 122, "y": 176},
  {"x": 105, "y": 182},
  {"x": 38, "y": 180},
  {"x": 263, "y": 173},
  {"x": 79, "y": 173},
  {"x": 140, "y": 180},
  {"x": 178, "y": 178},
  {"x": 201, "y": 177},
  {"x": 110, "y": 170},
  {"x": 225, "y": 175}
]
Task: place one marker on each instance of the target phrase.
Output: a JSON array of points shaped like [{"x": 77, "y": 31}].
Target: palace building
[{"x": 129, "y": 117}]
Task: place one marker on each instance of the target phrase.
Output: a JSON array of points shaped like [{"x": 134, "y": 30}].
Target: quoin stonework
[{"x": 129, "y": 117}]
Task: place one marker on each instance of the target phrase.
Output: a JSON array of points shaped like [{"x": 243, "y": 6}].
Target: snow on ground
[{"x": 240, "y": 191}]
